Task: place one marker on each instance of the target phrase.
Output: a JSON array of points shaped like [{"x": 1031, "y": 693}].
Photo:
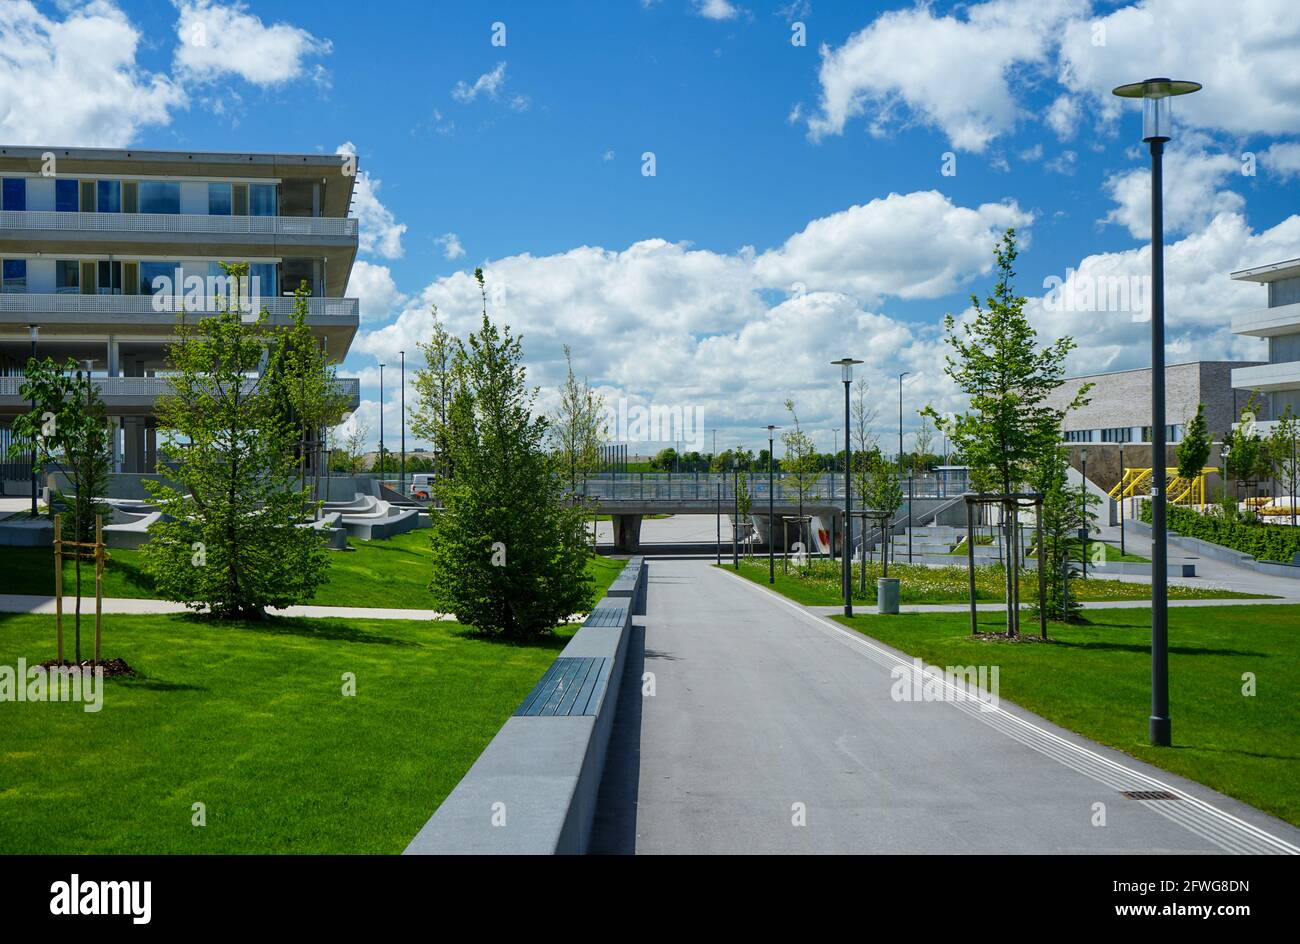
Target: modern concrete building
[
  {"x": 1279, "y": 323},
  {"x": 100, "y": 248},
  {"x": 1119, "y": 410}
]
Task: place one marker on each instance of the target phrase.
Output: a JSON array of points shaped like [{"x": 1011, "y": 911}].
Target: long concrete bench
[
  {"x": 631, "y": 585},
  {"x": 533, "y": 789}
]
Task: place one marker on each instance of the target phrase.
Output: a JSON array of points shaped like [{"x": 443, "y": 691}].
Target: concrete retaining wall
[
  {"x": 1221, "y": 553},
  {"x": 533, "y": 789}
]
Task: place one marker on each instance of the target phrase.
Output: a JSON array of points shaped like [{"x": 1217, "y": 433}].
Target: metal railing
[
  {"x": 138, "y": 387},
  {"x": 70, "y": 303},
  {"x": 702, "y": 486},
  {"x": 179, "y": 223}
]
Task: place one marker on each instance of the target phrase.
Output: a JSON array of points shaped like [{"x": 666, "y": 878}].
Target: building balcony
[
  {"x": 1267, "y": 322},
  {"x": 184, "y": 224},
  {"x": 1268, "y": 377},
  {"x": 137, "y": 395},
  {"x": 155, "y": 310}
]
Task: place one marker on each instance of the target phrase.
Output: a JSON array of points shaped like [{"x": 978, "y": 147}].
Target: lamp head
[{"x": 1157, "y": 124}]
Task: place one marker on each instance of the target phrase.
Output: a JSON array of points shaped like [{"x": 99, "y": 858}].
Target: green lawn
[
  {"x": 249, "y": 719},
  {"x": 819, "y": 584},
  {"x": 391, "y": 573},
  {"x": 1095, "y": 679}
]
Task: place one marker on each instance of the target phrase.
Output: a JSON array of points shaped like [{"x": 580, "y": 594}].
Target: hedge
[{"x": 1265, "y": 542}]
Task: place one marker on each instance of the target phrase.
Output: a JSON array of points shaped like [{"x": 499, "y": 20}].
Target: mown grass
[
  {"x": 250, "y": 720},
  {"x": 1095, "y": 678},
  {"x": 818, "y": 583},
  {"x": 390, "y": 573}
]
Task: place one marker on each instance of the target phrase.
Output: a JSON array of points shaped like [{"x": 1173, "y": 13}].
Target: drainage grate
[{"x": 1148, "y": 795}]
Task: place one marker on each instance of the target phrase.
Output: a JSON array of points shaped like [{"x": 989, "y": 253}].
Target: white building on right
[{"x": 1279, "y": 323}]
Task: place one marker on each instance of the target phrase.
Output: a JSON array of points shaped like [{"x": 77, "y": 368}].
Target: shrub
[{"x": 1271, "y": 542}]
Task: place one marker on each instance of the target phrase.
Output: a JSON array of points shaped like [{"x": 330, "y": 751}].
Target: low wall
[
  {"x": 1221, "y": 553},
  {"x": 631, "y": 585},
  {"x": 533, "y": 789}
]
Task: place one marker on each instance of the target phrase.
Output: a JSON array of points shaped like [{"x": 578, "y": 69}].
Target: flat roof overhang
[
  {"x": 1269, "y": 273},
  {"x": 128, "y": 162}
]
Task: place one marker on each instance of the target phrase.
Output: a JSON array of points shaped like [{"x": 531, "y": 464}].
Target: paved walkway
[
  {"x": 764, "y": 712},
  {"x": 24, "y": 603}
]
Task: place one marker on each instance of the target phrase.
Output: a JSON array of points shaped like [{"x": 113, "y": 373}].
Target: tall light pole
[
  {"x": 846, "y": 375},
  {"x": 1083, "y": 510},
  {"x": 35, "y": 332},
  {"x": 381, "y": 422},
  {"x": 401, "y": 482},
  {"x": 900, "y": 466},
  {"x": 1156, "y": 95},
  {"x": 771, "y": 514}
]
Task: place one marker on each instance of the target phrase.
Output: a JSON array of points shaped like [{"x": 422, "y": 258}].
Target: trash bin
[{"x": 886, "y": 595}]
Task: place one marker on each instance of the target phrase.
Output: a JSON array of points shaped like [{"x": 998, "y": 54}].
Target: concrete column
[
  {"x": 113, "y": 358},
  {"x": 150, "y": 446},
  {"x": 627, "y": 533},
  {"x": 115, "y": 434},
  {"x": 133, "y": 443}
]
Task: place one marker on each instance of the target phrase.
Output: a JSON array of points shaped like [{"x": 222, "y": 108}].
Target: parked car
[{"x": 422, "y": 485}]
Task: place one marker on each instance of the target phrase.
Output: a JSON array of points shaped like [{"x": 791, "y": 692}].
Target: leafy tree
[
  {"x": 921, "y": 455},
  {"x": 233, "y": 544},
  {"x": 883, "y": 492},
  {"x": 665, "y": 460},
  {"x": 1244, "y": 458},
  {"x": 301, "y": 384},
  {"x": 351, "y": 456},
  {"x": 801, "y": 468},
  {"x": 433, "y": 387},
  {"x": 509, "y": 547},
  {"x": 69, "y": 431},
  {"x": 1063, "y": 515},
  {"x": 997, "y": 362},
  {"x": 1282, "y": 454},
  {"x": 578, "y": 425},
  {"x": 1194, "y": 450}
]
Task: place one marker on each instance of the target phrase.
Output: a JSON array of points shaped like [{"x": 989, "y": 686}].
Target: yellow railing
[{"x": 1178, "y": 490}]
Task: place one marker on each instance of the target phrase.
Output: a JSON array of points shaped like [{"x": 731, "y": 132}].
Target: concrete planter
[{"x": 887, "y": 595}]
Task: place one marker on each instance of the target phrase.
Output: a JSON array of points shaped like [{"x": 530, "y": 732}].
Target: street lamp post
[
  {"x": 900, "y": 464},
  {"x": 771, "y": 516},
  {"x": 1156, "y": 95},
  {"x": 846, "y": 375},
  {"x": 35, "y": 332},
  {"x": 1121, "y": 500},
  {"x": 1083, "y": 510},
  {"x": 381, "y": 422},
  {"x": 401, "y": 482}
]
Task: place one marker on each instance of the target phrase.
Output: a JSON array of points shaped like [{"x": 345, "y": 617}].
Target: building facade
[
  {"x": 101, "y": 249},
  {"x": 1279, "y": 323},
  {"x": 1119, "y": 408}
]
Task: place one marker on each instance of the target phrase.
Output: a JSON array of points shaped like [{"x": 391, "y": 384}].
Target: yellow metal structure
[{"x": 1178, "y": 490}]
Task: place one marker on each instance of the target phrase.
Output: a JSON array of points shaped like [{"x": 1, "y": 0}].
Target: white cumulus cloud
[{"x": 218, "y": 39}]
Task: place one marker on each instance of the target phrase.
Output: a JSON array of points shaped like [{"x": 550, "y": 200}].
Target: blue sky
[{"x": 798, "y": 209}]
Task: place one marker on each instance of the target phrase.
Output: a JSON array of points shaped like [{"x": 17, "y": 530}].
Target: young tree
[
  {"x": 997, "y": 362},
  {"x": 232, "y": 544},
  {"x": 924, "y": 443},
  {"x": 509, "y": 547},
  {"x": 434, "y": 385},
  {"x": 351, "y": 456},
  {"x": 70, "y": 433},
  {"x": 883, "y": 492},
  {"x": 744, "y": 497},
  {"x": 302, "y": 386},
  {"x": 1194, "y": 450},
  {"x": 801, "y": 467},
  {"x": 1063, "y": 515},
  {"x": 578, "y": 426},
  {"x": 1243, "y": 454},
  {"x": 1284, "y": 455}
]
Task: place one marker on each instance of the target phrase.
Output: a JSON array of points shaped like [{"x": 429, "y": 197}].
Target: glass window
[
  {"x": 109, "y": 196},
  {"x": 15, "y": 275},
  {"x": 153, "y": 270},
  {"x": 264, "y": 275},
  {"x": 160, "y": 196},
  {"x": 15, "y": 193},
  {"x": 261, "y": 200},
  {"x": 219, "y": 199},
  {"x": 110, "y": 278},
  {"x": 67, "y": 197},
  {"x": 67, "y": 276}
]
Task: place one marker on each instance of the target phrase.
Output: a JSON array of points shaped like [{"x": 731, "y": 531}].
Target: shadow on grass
[
  {"x": 1146, "y": 648},
  {"x": 329, "y": 629},
  {"x": 552, "y": 640}
]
